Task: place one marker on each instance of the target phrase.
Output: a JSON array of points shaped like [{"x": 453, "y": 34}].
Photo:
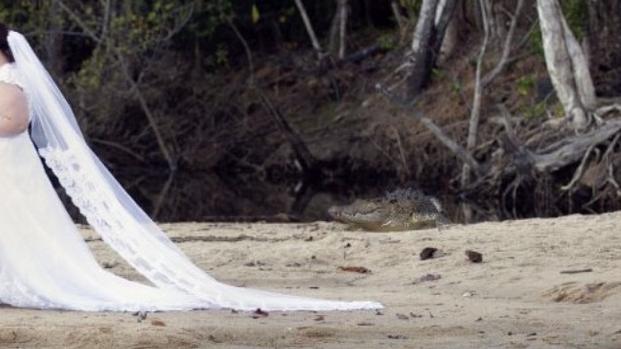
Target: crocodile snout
[{"x": 334, "y": 212}]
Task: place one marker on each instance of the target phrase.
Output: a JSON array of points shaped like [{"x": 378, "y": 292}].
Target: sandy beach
[{"x": 543, "y": 283}]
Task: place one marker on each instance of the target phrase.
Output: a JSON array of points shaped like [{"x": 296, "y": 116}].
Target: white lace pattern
[{"x": 61, "y": 270}]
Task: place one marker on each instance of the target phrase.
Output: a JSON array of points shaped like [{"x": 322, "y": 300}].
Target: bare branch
[
  {"x": 457, "y": 149},
  {"x": 475, "y": 114},
  {"x": 489, "y": 77},
  {"x": 305, "y": 159},
  {"x": 246, "y": 49},
  {"x": 309, "y": 29},
  {"x": 172, "y": 163},
  {"x": 398, "y": 17},
  {"x": 79, "y": 22},
  {"x": 134, "y": 84},
  {"x": 342, "y": 28},
  {"x": 580, "y": 171}
]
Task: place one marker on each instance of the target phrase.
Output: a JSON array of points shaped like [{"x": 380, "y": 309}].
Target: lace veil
[{"x": 108, "y": 208}]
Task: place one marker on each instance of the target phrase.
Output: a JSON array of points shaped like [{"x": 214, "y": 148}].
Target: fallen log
[
  {"x": 519, "y": 162},
  {"x": 574, "y": 148}
]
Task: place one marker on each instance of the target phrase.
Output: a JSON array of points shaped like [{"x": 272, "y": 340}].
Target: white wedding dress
[{"x": 45, "y": 263}]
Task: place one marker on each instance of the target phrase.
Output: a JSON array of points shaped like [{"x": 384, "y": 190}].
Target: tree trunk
[
  {"x": 420, "y": 56},
  {"x": 342, "y": 28},
  {"x": 338, "y": 30},
  {"x": 567, "y": 64},
  {"x": 309, "y": 28},
  {"x": 444, "y": 17},
  {"x": 450, "y": 41},
  {"x": 580, "y": 64},
  {"x": 333, "y": 39},
  {"x": 433, "y": 20}
]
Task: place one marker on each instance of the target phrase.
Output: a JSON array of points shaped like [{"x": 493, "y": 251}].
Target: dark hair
[{"x": 4, "y": 44}]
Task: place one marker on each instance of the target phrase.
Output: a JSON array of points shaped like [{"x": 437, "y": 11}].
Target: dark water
[
  {"x": 214, "y": 197},
  {"x": 210, "y": 197}
]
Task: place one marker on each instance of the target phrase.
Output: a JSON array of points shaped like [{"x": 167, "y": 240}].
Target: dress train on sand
[{"x": 45, "y": 263}]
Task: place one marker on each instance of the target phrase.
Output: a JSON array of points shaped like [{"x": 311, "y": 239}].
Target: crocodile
[{"x": 401, "y": 209}]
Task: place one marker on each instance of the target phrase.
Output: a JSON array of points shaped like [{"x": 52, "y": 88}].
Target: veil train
[{"x": 115, "y": 216}]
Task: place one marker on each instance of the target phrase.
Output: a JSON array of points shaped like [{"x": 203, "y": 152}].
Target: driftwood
[
  {"x": 542, "y": 154},
  {"x": 572, "y": 150},
  {"x": 518, "y": 163}
]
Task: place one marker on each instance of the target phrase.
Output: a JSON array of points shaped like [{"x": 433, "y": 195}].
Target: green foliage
[
  {"x": 411, "y": 5},
  {"x": 526, "y": 85},
  {"x": 209, "y": 15},
  {"x": 222, "y": 56},
  {"x": 89, "y": 77},
  {"x": 387, "y": 41},
  {"x": 576, "y": 14},
  {"x": 142, "y": 25},
  {"x": 256, "y": 16},
  {"x": 438, "y": 73},
  {"x": 535, "y": 111},
  {"x": 286, "y": 14},
  {"x": 526, "y": 88},
  {"x": 28, "y": 17},
  {"x": 558, "y": 110},
  {"x": 456, "y": 87},
  {"x": 536, "y": 41}
]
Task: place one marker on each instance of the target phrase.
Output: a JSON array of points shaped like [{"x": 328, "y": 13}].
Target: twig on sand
[{"x": 577, "y": 271}]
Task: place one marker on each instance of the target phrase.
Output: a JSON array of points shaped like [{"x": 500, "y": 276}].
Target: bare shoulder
[
  {"x": 14, "y": 114},
  {"x": 10, "y": 94}
]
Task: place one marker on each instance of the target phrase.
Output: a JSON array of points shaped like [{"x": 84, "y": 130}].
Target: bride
[{"x": 44, "y": 262}]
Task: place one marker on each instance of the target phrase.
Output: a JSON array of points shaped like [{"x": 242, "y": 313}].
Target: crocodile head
[
  {"x": 380, "y": 215},
  {"x": 399, "y": 210},
  {"x": 359, "y": 212}
]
